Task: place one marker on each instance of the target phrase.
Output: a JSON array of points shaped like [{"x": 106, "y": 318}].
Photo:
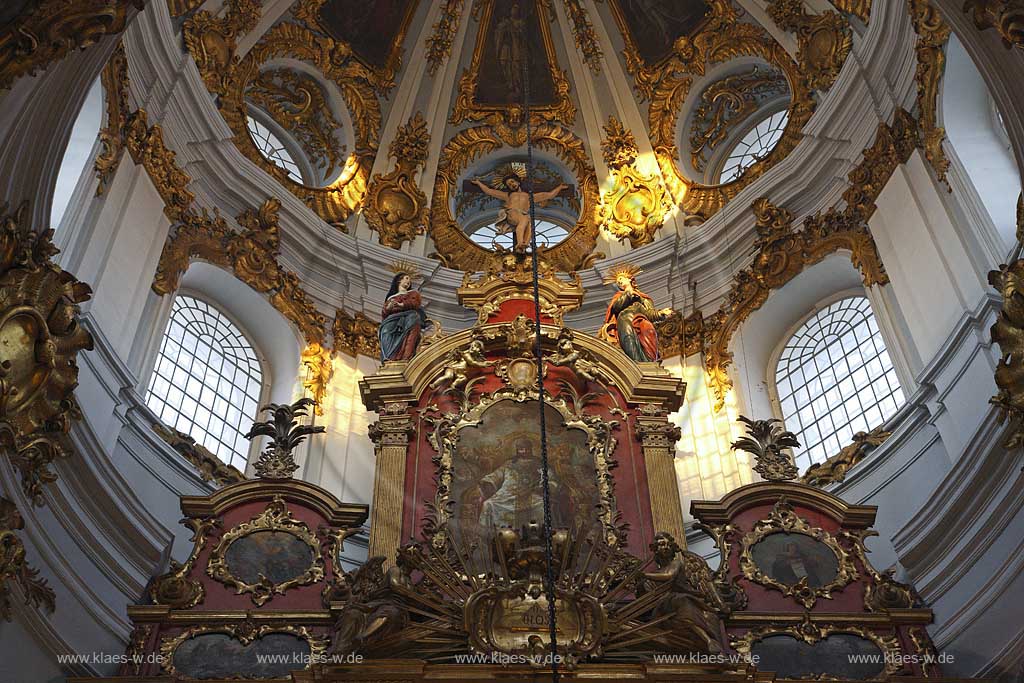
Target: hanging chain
[{"x": 538, "y": 352}]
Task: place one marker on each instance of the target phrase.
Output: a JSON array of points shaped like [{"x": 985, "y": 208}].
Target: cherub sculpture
[
  {"x": 457, "y": 364},
  {"x": 568, "y": 355}
]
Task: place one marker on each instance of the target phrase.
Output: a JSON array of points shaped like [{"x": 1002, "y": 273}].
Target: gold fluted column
[
  {"x": 390, "y": 435},
  {"x": 658, "y": 439}
]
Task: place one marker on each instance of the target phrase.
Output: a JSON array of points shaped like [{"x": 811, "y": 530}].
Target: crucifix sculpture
[{"x": 514, "y": 217}]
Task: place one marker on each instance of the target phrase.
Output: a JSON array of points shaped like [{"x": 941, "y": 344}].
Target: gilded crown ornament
[{"x": 277, "y": 460}]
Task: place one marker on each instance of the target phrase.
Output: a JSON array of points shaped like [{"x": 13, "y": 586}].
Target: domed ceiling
[{"x": 382, "y": 113}]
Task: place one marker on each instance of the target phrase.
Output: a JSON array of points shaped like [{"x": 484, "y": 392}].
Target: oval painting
[
  {"x": 277, "y": 555},
  {"x": 788, "y": 558}
]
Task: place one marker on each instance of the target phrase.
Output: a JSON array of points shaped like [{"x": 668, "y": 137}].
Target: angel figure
[
  {"x": 515, "y": 216},
  {"x": 457, "y": 363},
  {"x": 569, "y": 355}
]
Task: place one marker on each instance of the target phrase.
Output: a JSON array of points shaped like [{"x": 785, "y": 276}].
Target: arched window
[
  {"x": 834, "y": 378},
  {"x": 207, "y": 380},
  {"x": 78, "y": 153},
  {"x": 549, "y": 234},
  {"x": 273, "y": 149},
  {"x": 754, "y": 146}
]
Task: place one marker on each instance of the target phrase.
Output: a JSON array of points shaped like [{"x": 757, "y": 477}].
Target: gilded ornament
[
  {"x": 932, "y": 35},
  {"x": 319, "y": 369},
  {"x": 175, "y": 588},
  {"x": 881, "y": 592},
  {"x": 824, "y": 40},
  {"x": 765, "y": 440},
  {"x": 583, "y": 32},
  {"x": 454, "y": 247},
  {"x": 297, "y": 103},
  {"x": 681, "y": 336},
  {"x": 458, "y": 364},
  {"x": 213, "y": 41},
  {"x": 783, "y": 253},
  {"x": 858, "y": 8},
  {"x": 178, "y": 8},
  {"x": 14, "y": 567},
  {"x": 1008, "y": 332},
  {"x": 637, "y": 204},
  {"x": 395, "y": 206},
  {"x": 246, "y": 633},
  {"x": 250, "y": 254},
  {"x": 49, "y": 30},
  {"x": 439, "y": 44},
  {"x": 567, "y": 355},
  {"x": 146, "y": 146},
  {"x": 210, "y": 467},
  {"x": 274, "y": 519},
  {"x": 721, "y": 38},
  {"x": 355, "y": 335},
  {"x": 814, "y": 629},
  {"x": 783, "y": 519},
  {"x": 834, "y": 470},
  {"x": 1006, "y": 16},
  {"x": 114, "y": 79},
  {"x": 277, "y": 461},
  {"x": 40, "y": 338},
  {"x": 727, "y": 102},
  {"x": 335, "y": 61}
]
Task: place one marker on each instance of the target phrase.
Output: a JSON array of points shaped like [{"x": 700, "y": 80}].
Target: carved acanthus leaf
[{"x": 395, "y": 206}]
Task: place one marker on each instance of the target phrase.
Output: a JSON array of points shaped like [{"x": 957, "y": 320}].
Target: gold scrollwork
[
  {"x": 336, "y": 202},
  {"x": 175, "y": 587},
  {"x": 246, "y": 633},
  {"x": 667, "y": 84},
  {"x": 858, "y": 8},
  {"x": 395, "y": 206},
  {"x": 583, "y": 32},
  {"x": 40, "y": 338},
  {"x": 1008, "y": 332},
  {"x": 146, "y": 146},
  {"x": 812, "y": 631},
  {"x": 782, "y": 254},
  {"x": 454, "y": 247},
  {"x": 507, "y": 119},
  {"x": 250, "y": 254},
  {"x": 210, "y": 467},
  {"x": 932, "y": 35},
  {"x": 296, "y": 101},
  {"x": 178, "y": 8},
  {"x": 355, "y": 334},
  {"x": 680, "y": 335},
  {"x": 319, "y": 369},
  {"x": 439, "y": 44},
  {"x": 213, "y": 41},
  {"x": 1006, "y": 16},
  {"x": 636, "y": 205},
  {"x": 823, "y": 40},
  {"x": 881, "y": 592},
  {"x": 444, "y": 438},
  {"x": 114, "y": 79},
  {"x": 48, "y": 30},
  {"x": 783, "y": 519},
  {"x": 15, "y": 567},
  {"x": 275, "y": 518}
]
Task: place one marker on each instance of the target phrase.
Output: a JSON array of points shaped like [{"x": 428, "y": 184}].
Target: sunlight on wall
[{"x": 706, "y": 466}]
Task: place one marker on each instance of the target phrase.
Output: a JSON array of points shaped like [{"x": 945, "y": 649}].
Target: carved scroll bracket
[{"x": 395, "y": 206}]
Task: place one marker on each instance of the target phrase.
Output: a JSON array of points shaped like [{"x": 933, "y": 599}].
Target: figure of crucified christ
[{"x": 516, "y": 214}]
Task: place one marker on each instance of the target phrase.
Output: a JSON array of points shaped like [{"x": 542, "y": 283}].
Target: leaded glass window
[
  {"x": 548, "y": 235},
  {"x": 273, "y": 149},
  {"x": 754, "y": 146},
  {"x": 207, "y": 380},
  {"x": 835, "y": 378}
]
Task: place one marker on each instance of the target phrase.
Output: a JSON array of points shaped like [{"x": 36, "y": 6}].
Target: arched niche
[{"x": 968, "y": 115}]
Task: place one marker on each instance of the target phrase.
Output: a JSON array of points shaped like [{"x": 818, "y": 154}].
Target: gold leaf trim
[
  {"x": 210, "y": 467},
  {"x": 439, "y": 44},
  {"x": 932, "y": 35},
  {"x": 114, "y": 79},
  {"x": 15, "y": 568},
  {"x": 395, "y": 206},
  {"x": 245, "y": 633}
]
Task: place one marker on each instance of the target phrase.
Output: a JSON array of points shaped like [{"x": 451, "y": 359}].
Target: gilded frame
[
  {"x": 245, "y": 633},
  {"x": 783, "y": 519},
  {"x": 812, "y": 632},
  {"x": 275, "y": 517},
  {"x": 444, "y": 439},
  {"x": 467, "y": 109}
]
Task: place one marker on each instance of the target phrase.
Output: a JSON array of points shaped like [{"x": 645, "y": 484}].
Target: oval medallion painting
[
  {"x": 277, "y": 555},
  {"x": 788, "y": 558}
]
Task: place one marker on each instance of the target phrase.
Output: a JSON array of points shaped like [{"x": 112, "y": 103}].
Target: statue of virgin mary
[{"x": 402, "y": 320}]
